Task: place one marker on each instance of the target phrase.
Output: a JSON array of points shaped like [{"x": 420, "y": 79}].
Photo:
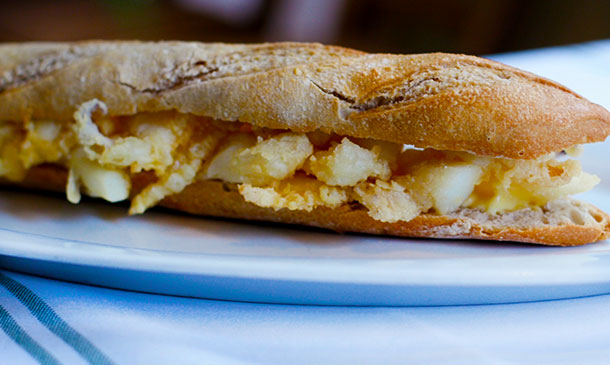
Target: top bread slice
[{"x": 440, "y": 101}]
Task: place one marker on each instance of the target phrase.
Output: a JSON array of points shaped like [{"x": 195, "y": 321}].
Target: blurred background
[{"x": 468, "y": 26}]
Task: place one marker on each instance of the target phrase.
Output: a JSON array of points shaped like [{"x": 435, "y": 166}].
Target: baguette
[{"x": 469, "y": 107}]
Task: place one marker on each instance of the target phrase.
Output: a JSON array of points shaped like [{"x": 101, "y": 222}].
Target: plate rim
[{"x": 39, "y": 247}]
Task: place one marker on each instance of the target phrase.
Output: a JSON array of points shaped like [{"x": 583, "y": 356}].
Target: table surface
[{"x": 60, "y": 322}]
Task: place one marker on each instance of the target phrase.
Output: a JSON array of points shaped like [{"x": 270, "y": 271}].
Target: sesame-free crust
[
  {"x": 441, "y": 101},
  {"x": 562, "y": 223}
]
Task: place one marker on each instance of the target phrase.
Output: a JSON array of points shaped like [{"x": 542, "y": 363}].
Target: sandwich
[{"x": 427, "y": 145}]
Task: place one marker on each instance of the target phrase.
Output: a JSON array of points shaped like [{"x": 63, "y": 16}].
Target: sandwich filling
[{"x": 275, "y": 168}]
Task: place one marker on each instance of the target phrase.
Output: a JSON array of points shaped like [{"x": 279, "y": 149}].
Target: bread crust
[
  {"x": 440, "y": 101},
  {"x": 215, "y": 198}
]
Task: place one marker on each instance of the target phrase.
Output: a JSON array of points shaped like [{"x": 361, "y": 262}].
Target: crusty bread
[
  {"x": 561, "y": 223},
  {"x": 442, "y": 101}
]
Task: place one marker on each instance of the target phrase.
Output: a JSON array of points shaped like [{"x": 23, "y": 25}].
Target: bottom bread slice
[{"x": 559, "y": 223}]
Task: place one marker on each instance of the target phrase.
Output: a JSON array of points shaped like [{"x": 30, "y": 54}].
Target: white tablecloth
[
  {"x": 137, "y": 328},
  {"x": 99, "y": 325}
]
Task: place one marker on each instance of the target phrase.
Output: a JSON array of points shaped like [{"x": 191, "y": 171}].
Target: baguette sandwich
[{"x": 429, "y": 145}]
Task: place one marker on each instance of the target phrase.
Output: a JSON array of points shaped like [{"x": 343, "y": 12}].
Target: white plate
[
  {"x": 172, "y": 254},
  {"x": 96, "y": 243}
]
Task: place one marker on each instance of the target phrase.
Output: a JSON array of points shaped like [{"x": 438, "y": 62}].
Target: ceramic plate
[
  {"x": 159, "y": 252},
  {"x": 97, "y": 243}
]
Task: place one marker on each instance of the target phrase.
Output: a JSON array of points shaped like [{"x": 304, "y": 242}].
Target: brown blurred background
[{"x": 468, "y": 26}]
